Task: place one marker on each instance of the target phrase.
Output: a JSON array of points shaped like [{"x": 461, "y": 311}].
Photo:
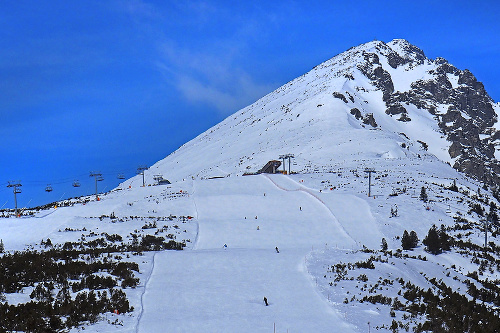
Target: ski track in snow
[
  {"x": 308, "y": 191},
  {"x": 49, "y": 213},
  {"x": 195, "y": 243},
  {"x": 144, "y": 291}
]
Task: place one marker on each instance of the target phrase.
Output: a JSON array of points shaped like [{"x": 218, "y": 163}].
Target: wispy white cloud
[
  {"x": 244, "y": 91},
  {"x": 204, "y": 48},
  {"x": 215, "y": 78}
]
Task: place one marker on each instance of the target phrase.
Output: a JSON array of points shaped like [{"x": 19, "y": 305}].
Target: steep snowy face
[
  {"x": 374, "y": 101},
  {"x": 460, "y": 106}
]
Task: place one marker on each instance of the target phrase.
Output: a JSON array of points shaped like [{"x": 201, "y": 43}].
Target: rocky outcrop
[
  {"x": 459, "y": 103},
  {"x": 367, "y": 120}
]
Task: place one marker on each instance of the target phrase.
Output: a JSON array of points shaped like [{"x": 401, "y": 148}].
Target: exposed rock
[
  {"x": 356, "y": 113},
  {"x": 371, "y": 58},
  {"x": 383, "y": 79},
  {"x": 351, "y": 97},
  {"x": 395, "y": 109},
  {"x": 370, "y": 120},
  {"x": 425, "y": 146},
  {"x": 367, "y": 120},
  {"x": 409, "y": 51},
  {"x": 455, "y": 149},
  {"x": 404, "y": 118},
  {"x": 395, "y": 60},
  {"x": 340, "y": 96},
  {"x": 470, "y": 109},
  {"x": 446, "y": 68}
]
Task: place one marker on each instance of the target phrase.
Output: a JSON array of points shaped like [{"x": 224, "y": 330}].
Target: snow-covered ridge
[{"x": 386, "y": 85}]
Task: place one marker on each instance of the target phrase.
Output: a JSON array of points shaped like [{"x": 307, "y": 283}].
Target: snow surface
[
  {"x": 210, "y": 288},
  {"x": 317, "y": 217}
]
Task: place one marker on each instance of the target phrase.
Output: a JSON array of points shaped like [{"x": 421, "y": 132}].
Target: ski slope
[{"x": 210, "y": 288}]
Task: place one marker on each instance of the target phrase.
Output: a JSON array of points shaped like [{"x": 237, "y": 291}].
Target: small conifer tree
[
  {"x": 413, "y": 239},
  {"x": 384, "y": 245},
  {"x": 432, "y": 241},
  {"x": 444, "y": 239},
  {"x": 2, "y": 248},
  {"x": 423, "y": 194},
  {"x": 406, "y": 241},
  {"x": 492, "y": 215}
]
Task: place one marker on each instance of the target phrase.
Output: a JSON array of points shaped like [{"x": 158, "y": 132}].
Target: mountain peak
[
  {"x": 429, "y": 105},
  {"x": 406, "y": 50}
]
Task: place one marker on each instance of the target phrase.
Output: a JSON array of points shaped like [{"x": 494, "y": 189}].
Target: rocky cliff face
[{"x": 459, "y": 103}]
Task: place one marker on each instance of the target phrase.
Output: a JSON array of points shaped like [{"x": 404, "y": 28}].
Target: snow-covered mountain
[
  {"x": 389, "y": 95},
  {"x": 326, "y": 250}
]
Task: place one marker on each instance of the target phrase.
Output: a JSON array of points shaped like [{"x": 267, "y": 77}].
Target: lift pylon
[{"x": 15, "y": 185}]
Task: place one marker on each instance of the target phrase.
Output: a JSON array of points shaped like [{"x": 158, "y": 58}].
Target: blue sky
[{"x": 110, "y": 85}]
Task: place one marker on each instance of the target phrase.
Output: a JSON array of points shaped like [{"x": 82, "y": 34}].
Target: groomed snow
[{"x": 215, "y": 289}]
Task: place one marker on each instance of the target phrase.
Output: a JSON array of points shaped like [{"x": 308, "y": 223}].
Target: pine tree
[
  {"x": 492, "y": 215},
  {"x": 423, "y": 194},
  {"x": 384, "y": 245},
  {"x": 63, "y": 299},
  {"x": 413, "y": 239},
  {"x": 2, "y": 248},
  {"x": 444, "y": 239},
  {"x": 406, "y": 241},
  {"x": 432, "y": 241}
]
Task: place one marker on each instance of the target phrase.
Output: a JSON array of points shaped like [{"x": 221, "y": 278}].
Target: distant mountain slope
[{"x": 386, "y": 100}]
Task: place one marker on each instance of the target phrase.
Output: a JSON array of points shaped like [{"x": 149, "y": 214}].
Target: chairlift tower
[
  {"x": 289, "y": 156},
  {"x": 15, "y": 185},
  {"x": 97, "y": 177},
  {"x": 369, "y": 171},
  {"x": 140, "y": 171},
  {"x": 282, "y": 157}
]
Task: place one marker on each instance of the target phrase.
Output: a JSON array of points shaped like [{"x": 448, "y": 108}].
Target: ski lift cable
[
  {"x": 114, "y": 171},
  {"x": 65, "y": 180},
  {"x": 120, "y": 174},
  {"x": 57, "y": 181}
]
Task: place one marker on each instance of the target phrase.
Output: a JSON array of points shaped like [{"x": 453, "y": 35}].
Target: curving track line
[
  {"x": 195, "y": 244},
  {"x": 312, "y": 194},
  {"x": 143, "y": 292}
]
